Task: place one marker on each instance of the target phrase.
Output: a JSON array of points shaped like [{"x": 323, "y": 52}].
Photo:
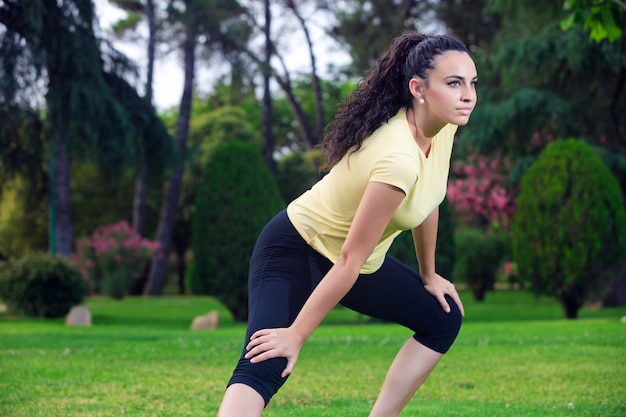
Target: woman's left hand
[
  {"x": 439, "y": 287},
  {"x": 275, "y": 343}
]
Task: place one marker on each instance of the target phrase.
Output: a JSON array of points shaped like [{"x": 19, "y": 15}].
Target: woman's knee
[
  {"x": 264, "y": 377},
  {"x": 443, "y": 330}
]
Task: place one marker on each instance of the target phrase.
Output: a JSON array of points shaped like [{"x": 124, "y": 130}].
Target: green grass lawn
[{"x": 515, "y": 356}]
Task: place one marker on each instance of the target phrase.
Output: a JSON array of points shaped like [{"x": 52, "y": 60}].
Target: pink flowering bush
[
  {"x": 113, "y": 257},
  {"x": 478, "y": 193}
]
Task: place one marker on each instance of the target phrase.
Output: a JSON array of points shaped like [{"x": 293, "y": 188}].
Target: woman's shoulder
[{"x": 394, "y": 133}]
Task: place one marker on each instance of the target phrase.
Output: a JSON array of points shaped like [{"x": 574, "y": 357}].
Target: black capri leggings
[{"x": 284, "y": 270}]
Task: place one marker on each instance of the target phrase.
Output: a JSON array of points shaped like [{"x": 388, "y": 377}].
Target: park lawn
[{"x": 515, "y": 356}]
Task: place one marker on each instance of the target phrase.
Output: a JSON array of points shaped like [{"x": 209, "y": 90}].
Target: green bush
[
  {"x": 569, "y": 233},
  {"x": 41, "y": 285},
  {"x": 237, "y": 197},
  {"x": 403, "y": 248},
  {"x": 297, "y": 172},
  {"x": 478, "y": 256}
]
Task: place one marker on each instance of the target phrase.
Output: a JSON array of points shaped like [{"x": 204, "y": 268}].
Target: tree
[
  {"x": 526, "y": 76},
  {"x": 268, "y": 133},
  {"x": 137, "y": 9},
  {"x": 367, "y": 26},
  {"x": 158, "y": 266},
  {"x": 209, "y": 128},
  {"x": 87, "y": 112},
  {"x": 601, "y": 19},
  {"x": 22, "y": 207},
  {"x": 569, "y": 233},
  {"x": 469, "y": 20},
  {"x": 213, "y": 23},
  {"x": 237, "y": 197},
  {"x": 23, "y": 179},
  {"x": 309, "y": 129}
]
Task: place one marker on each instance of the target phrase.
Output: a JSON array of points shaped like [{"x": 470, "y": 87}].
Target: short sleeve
[{"x": 399, "y": 170}]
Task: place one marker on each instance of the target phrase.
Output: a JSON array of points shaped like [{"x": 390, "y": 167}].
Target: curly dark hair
[{"x": 383, "y": 91}]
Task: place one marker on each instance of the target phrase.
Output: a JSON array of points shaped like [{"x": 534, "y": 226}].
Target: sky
[{"x": 168, "y": 72}]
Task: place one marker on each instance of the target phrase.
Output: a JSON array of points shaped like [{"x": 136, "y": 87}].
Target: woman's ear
[{"x": 416, "y": 87}]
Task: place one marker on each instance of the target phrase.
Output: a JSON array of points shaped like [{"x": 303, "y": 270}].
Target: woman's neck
[{"x": 423, "y": 132}]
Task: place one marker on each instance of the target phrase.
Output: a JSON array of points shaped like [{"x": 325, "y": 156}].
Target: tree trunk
[
  {"x": 181, "y": 270},
  {"x": 63, "y": 223},
  {"x": 570, "y": 305},
  {"x": 141, "y": 196},
  {"x": 141, "y": 184},
  {"x": 315, "y": 81},
  {"x": 268, "y": 134},
  {"x": 159, "y": 267},
  {"x": 616, "y": 294}
]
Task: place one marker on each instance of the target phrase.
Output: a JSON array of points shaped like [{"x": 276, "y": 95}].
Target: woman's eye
[{"x": 454, "y": 84}]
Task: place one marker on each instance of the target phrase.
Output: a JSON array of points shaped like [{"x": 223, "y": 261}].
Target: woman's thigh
[
  {"x": 396, "y": 293},
  {"x": 282, "y": 276}
]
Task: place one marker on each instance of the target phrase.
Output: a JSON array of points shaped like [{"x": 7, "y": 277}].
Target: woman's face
[{"x": 450, "y": 90}]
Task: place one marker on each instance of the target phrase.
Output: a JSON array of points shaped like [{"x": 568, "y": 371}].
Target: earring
[{"x": 421, "y": 101}]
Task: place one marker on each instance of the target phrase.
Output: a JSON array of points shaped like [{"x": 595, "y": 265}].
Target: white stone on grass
[
  {"x": 209, "y": 321},
  {"x": 78, "y": 316}
]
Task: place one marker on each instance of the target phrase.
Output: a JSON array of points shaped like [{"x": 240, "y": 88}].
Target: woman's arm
[
  {"x": 377, "y": 206},
  {"x": 425, "y": 241}
]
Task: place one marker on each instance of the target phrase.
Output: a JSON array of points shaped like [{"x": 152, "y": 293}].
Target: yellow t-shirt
[{"x": 323, "y": 214}]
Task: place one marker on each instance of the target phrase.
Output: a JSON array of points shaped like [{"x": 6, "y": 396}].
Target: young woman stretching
[{"x": 389, "y": 147}]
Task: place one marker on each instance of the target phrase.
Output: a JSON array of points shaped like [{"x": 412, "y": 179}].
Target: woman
[{"x": 389, "y": 147}]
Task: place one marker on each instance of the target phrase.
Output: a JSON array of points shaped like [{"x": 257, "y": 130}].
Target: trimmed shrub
[
  {"x": 569, "y": 233},
  {"x": 478, "y": 257},
  {"x": 237, "y": 196},
  {"x": 41, "y": 285}
]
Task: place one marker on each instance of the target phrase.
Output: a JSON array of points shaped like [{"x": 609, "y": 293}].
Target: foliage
[
  {"x": 527, "y": 72},
  {"x": 149, "y": 135},
  {"x": 210, "y": 126},
  {"x": 600, "y": 19},
  {"x": 237, "y": 197},
  {"x": 22, "y": 208},
  {"x": 403, "y": 248},
  {"x": 213, "y": 126},
  {"x": 41, "y": 285},
  {"x": 359, "y": 24},
  {"x": 21, "y": 134},
  {"x": 479, "y": 255},
  {"x": 297, "y": 172},
  {"x": 569, "y": 233},
  {"x": 113, "y": 257},
  {"x": 479, "y": 193},
  {"x": 469, "y": 20},
  {"x": 97, "y": 200},
  {"x": 92, "y": 112}
]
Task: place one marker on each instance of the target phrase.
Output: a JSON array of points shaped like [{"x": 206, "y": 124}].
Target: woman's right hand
[
  {"x": 275, "y": 343},
  {"x": 439, "y": 287}
]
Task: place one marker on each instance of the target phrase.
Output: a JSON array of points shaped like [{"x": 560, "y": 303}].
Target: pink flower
[
  {"x": 476, "y": 190},
  {"x": 115, "y": 246}
]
